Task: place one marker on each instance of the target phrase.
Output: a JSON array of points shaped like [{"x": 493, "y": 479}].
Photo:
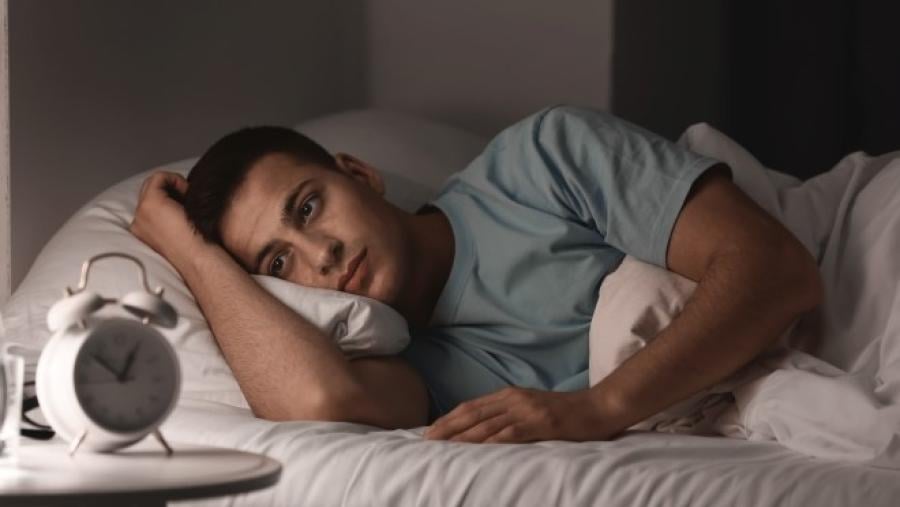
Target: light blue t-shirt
[{"x": 540, "y": 217}]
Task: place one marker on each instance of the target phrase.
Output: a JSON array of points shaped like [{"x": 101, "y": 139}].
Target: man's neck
[{"x": 432, "y": 256}]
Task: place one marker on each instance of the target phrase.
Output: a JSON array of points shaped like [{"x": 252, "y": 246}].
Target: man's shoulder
[
  {"x": 531, "y": 163},
  {"x": 562, "y": 112},
  {"x": 553, "y": 125}
]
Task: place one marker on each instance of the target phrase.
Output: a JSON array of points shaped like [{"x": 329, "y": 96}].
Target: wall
[
  {"x": 103, "y": 89},
  {"x": 670, "y": 67},
  {"x": 5, "y": 247},
  {"x": 483, "y": 65}
]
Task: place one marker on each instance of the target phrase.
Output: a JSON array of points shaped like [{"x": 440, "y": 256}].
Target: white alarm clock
[{"x": 105, "y": 380}]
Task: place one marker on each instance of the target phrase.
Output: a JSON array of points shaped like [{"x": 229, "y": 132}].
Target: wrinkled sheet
[
  {"x": 340, "y": 464},
  {"x": 838, "y": 395}
]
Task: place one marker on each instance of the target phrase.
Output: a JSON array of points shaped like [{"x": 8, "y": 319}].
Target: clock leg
[
  {"x": 77, "y": 443},
  {"x": 162, "y": 441}
]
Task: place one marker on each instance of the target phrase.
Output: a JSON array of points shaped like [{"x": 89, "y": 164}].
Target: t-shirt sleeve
[{"x": 623, "y": 181}]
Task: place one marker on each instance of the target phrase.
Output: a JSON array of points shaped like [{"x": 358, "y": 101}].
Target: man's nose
[{"x": 328, "y": 255}]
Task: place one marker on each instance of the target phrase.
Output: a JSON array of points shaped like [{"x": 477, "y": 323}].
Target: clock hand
[
  {"x": 128, "y": 362},
  {"x": 105, "y": 365}
]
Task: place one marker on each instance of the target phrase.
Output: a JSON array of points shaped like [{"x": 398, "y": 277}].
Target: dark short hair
[{"x": 215, "y": 178}]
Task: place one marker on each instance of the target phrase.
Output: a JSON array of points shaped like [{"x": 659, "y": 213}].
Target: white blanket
[
  {"x": 844, "y": 400},
  {"x": 833, "y": 390}
]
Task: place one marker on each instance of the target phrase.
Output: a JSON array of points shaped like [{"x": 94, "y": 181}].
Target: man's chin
[{"x": 380, "y": 293}]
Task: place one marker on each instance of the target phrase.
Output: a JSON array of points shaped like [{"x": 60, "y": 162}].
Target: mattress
[{"x": 349, "y": 464}]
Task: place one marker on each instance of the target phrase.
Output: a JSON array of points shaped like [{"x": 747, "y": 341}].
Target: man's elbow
[
  {"x": 310, "y": 407},
  {"x": 331, "y": 407},
  {"x": 325, "y": 412},
  {"x": 801, "y": 280},
  {"x": 382, "y": 391}
]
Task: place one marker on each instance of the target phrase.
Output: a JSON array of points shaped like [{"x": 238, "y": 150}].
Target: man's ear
[{"x": 360, "y": 171}]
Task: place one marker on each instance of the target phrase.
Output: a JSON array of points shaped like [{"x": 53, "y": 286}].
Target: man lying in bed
[{"x": 497, "y": 277}]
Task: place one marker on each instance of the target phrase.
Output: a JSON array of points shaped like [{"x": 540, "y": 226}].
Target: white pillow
[{"x": 359, "y": 325}]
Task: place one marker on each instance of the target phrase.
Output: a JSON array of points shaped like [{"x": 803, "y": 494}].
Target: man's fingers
[
  {"x": 177, "y": 181},
  {"x": 509, "y": 435},
  {"x": 483, "y": 430},
  {"x": 467, "y": 414},
  {"x": 462, "y": 418},
  {"x": 164, "y": 181},
  {"x": 144, "y": 186},
  {"x": 172, "y": 185}
]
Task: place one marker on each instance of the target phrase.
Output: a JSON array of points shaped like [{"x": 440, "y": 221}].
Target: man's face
[{"x": 319, "y": 227}]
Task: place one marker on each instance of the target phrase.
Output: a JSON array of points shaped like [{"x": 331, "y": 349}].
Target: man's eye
[
  {"x": 277, "y": 265},
  {"x": 309, "y": 207}
]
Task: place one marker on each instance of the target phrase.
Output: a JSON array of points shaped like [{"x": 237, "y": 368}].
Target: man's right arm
[{"x": 286, "y": 367}]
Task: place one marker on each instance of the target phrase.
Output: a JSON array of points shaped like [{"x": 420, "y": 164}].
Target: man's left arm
[{"x": 754, "y": 279}]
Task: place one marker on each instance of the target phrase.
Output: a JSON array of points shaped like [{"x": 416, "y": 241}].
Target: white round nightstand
[{"x": 141, "y": 475}]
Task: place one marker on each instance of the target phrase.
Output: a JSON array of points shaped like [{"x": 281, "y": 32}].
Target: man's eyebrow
[{"x": 287, "y": 212}]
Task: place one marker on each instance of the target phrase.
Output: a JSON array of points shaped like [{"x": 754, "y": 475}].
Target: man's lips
[{"x": 351, "y": 270}]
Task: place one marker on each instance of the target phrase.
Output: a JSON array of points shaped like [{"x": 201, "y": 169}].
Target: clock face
[{"x": 125, "y": 375}]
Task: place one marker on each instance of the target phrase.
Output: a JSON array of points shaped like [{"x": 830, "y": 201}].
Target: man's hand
[
  {"x": 517, "y": 414},
  {"x": 160, "y": 220}
]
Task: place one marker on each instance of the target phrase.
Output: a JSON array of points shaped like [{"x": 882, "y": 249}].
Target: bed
[
  {"x": 346, "y": 464},
  {"x": 777, "y": 460}
]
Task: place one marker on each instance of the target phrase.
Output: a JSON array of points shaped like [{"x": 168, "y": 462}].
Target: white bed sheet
[{"x": 350, "y": 464}]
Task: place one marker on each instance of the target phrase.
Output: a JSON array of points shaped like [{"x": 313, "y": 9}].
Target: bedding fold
[{"x": 841, "y": 400}]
